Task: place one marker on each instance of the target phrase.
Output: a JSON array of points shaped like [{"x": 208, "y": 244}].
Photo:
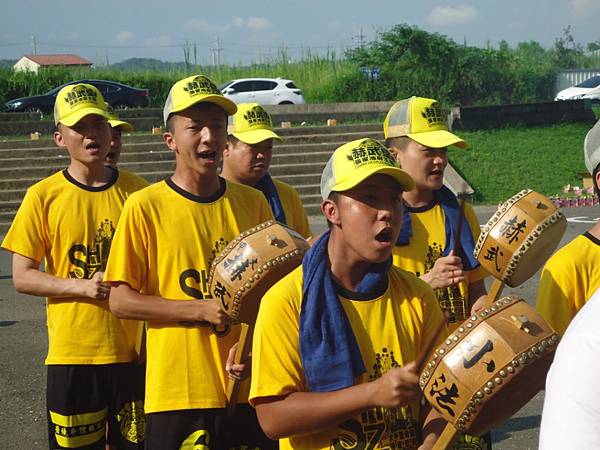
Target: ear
[
  {"x": 597, "y": 180},
  {"x": 228, "y": 148},
  {"x": 169, "y": 139},
  {"x": 331, "y": 211},
  {"x": 58, "y": 139}
]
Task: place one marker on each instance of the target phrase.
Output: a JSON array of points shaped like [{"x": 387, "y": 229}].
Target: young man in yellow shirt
[
  {"x": 247, "y": 159},
  {"x": 336, "y": 340},
  {"x": 417, "y": 135},
  {"x": 572, "y": 274},
  {"x": 166, "y": 240},
  {"x": 68, "y": 220}
]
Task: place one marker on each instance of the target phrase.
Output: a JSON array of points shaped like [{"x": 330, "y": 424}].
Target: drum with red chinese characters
[
  {"x": 491, "y": 366},
  {"x": 520, "y": 237},
  {"x": 252, "y": 263}
]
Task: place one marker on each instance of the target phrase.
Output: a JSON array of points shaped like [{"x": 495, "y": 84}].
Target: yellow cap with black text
[
  {"x": 251, "y": 124},
  {"x": 354, "y": 162},
  {"x": 75, "y": 101},
  {"x": 193, "y": 90},
  {"x": 422, "y": 120}
]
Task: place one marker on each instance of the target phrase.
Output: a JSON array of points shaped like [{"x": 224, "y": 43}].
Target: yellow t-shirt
[
  {"x": 71, "y": 226},
  {"x": 295, "y": 216},
  {"x": 426, "y": 246},
  {"x": 390, "y": 331},
  {"x": 167, "y": 239},
  {"x": 569, "y": 279}
]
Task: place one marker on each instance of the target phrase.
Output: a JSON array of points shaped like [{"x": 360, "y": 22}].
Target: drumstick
[
  {"x": 422, "y": 358},
  {"x": 461, "y": 219}
]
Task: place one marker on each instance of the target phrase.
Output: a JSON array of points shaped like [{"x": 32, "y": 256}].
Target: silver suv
[{"x": 265, "y": 91}]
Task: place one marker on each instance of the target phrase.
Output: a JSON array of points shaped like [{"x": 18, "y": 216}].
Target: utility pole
[
  {"x": 33, "y": 45},
  {"x": 216, "y": 52},
  {"x": 106, "y": 57},
  {"x": 361, "y": 39}
]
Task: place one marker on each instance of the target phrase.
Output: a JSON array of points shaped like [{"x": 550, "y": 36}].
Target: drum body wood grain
[
  {"x": 520, "y": 237},
  {"x": 493, "y": 364},
  {"x": 252, "y": 263}
]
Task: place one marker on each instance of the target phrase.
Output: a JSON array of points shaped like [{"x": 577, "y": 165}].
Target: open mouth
[
  {"x": 111, "y": 155},
  {"x": 93, "y": 146},
  {"x": 437, "y": 172},
  {"x": 384, "y": 236},
  {"x": 207, "y": 154}
]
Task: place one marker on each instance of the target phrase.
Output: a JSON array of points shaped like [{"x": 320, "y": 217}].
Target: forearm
[
  {"x": 311, "y": 412},
  {"x": 127, "y": 303},
  {"x": 34, "y": 282}
]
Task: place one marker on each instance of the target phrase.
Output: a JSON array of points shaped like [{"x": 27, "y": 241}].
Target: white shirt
[{"x": 571, "y": 415}]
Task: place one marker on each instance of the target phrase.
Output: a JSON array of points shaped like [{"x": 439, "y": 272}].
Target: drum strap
[
  {"x": 451, "y": 208},
  {"x": 268, "y": 188},
  {"x": 330, "y": 354}
]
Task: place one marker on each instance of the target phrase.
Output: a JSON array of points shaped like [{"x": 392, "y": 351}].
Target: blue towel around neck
[
  {"x": 451, "y": 207},
  {"x": 329, "y": 351},
  {"x": 267, "y": 187}
]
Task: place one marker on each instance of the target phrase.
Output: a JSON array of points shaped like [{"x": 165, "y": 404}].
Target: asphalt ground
[{"x": 23, "y": 346}]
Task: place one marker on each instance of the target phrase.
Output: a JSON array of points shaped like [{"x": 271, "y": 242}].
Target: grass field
[{"x": 499, "y": 163}]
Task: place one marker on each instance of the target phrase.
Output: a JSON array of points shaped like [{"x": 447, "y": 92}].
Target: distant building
[{"x": 33, "y": 63}]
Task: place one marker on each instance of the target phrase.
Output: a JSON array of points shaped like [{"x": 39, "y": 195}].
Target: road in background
[{"x": 24, "y": 346}]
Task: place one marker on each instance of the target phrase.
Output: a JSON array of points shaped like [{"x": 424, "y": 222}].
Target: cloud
[
  {"x": 583, "y": 7},
  {"x": 258, "y": 23},
  {"x": 453, "y": 15},
  {"x": 203, "y": 26},
  {"x": 124, "y": 37}
]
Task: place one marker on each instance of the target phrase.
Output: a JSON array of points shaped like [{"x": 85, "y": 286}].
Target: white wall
[{"x": 25, "y": 64}]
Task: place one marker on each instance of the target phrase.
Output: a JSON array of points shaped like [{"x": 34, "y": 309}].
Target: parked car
[
  {"x": 117, "y": 95},
  {"x": 265, "y": 91},
  {"x": 589, "y": 88}
]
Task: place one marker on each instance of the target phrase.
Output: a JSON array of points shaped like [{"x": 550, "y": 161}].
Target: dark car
[{"x": 117, "y": 95}]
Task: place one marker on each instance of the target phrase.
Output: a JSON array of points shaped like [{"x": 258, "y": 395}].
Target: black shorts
[
  {"x": 90, "y": 405},
  {"x": 207, "y": 429}
]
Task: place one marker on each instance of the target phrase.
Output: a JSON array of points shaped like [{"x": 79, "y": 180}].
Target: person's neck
[
  {"x": 418, "y": 197},
  {"x": 195, "y": 183},
  {"x": 93, "y": 175},
  {"x": 595, "y": 230},
  {"x": 346, "y": 269}
]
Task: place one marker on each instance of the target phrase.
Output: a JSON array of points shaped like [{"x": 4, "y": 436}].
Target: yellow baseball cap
[
  {"x": 251, "y": 124},
  {"x": 354, "y": 162},
  {"x": 75, "y": 101},
  {"x": 422, "y": 120},
  {"x": 192, "y": 90},
  {"x": 115, "y": 122}
]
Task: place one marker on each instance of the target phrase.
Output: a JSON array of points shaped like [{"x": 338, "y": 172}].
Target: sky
[{"x": 253, "y": 31}]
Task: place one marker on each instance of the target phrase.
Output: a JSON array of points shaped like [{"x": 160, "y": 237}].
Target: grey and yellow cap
[
  {"x": 422, "y": 120},
  {"x": 354, "y": 162},
  {"x": 591, "y": 148}
]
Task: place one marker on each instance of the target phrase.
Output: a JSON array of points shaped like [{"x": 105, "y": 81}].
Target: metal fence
[{"x": 571, "y": 77}]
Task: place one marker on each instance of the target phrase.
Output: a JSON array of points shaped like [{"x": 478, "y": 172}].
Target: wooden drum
[
  {"x": 493, "y": 364},
  {"x": 252, "y": 263},
  {"x": 520, "y": 237}
]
